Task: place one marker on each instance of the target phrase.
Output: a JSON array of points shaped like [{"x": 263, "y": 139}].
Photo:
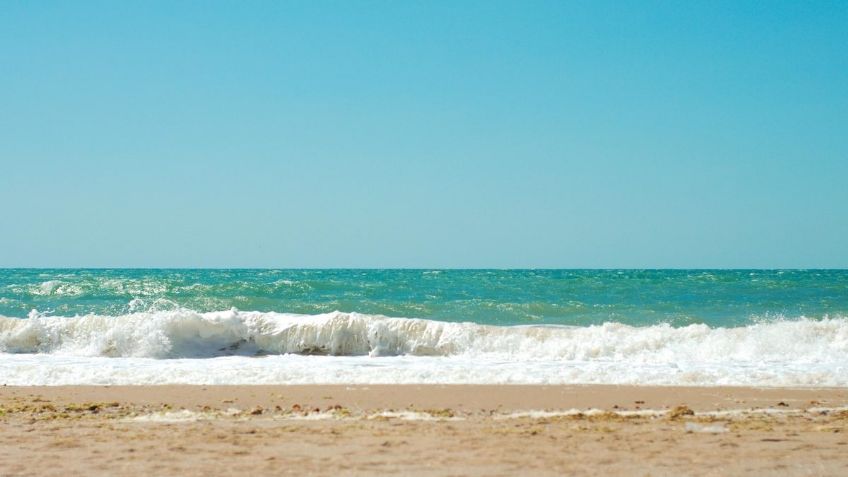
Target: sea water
[{"x": 681, "y": 327}]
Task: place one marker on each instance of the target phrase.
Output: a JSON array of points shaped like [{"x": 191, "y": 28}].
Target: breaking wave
[{"x": 189, "y": 334}]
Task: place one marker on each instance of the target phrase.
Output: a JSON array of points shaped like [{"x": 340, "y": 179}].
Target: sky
[{"x": 466, "y": 134}]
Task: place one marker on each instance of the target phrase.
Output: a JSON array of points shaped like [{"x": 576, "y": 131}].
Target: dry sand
[{"x": 421, "y": 430}]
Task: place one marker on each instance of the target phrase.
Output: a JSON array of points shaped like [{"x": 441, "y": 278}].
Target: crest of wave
[{"x": 185, "y": 333}]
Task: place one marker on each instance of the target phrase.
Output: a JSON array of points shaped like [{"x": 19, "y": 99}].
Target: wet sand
[{"x": 422, "y": 430}]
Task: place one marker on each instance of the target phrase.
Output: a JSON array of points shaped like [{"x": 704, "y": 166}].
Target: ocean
[{"x": 673, "y": 327}]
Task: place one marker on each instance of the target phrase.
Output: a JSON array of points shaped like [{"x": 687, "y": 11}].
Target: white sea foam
[
  {"x": 413, "y": 416},
  {"x": 170, "y": 416},
  {"x": 182, "y": 346},
  {"x": 705, "y": 428},
  {"x": 544, "y": 414}
]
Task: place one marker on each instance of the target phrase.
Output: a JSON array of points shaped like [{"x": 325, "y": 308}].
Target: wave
[{"x": 190, "y": 334}]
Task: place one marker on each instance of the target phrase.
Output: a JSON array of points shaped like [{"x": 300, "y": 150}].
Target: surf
[{"x": 192, "y": 334}]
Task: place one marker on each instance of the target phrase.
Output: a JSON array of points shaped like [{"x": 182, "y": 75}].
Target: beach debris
[
  {"x": 443, "y": 413},
  {"x": 296, "y": 408},
  {"x": 256, "y": 411},
  {"x": 782, "y": 404},
  {"x": 679, "y": 411},
  {"x": 92, "y": 407},
  {"x": 341, "y": 411}
]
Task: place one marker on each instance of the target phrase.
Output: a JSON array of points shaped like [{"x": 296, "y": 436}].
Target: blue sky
[{"x": 424, "y": 134}]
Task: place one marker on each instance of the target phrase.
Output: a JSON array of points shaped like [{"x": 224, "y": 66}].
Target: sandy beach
[{"x": 421, "y": 430}]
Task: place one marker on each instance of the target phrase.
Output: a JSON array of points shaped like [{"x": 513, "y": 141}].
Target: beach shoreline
[
  {"x": 422, "y": 430},
  {"x": 462, "y": 397}
]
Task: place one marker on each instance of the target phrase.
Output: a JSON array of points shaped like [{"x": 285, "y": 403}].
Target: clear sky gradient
[{"x": 424, "y": 134}]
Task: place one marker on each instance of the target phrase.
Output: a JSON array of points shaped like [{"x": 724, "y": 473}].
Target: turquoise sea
[
  {"x": 493, "y": 297},
  {"x": 692, "y": 327}
]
